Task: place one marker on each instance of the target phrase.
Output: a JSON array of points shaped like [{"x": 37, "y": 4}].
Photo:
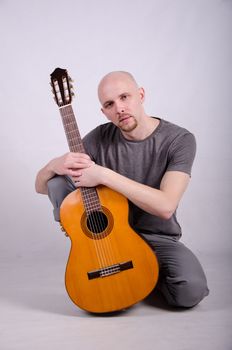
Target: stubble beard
[{"x": 129, "y": 127}]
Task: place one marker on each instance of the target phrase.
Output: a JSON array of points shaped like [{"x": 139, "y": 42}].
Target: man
[{"x": 149, "y": 161}]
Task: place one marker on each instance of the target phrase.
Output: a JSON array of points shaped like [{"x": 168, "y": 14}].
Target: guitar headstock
[{"x": 61, "y": 87}]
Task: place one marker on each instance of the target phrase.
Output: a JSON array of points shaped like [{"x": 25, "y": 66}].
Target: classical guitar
[{"x": 110, "y": 267}]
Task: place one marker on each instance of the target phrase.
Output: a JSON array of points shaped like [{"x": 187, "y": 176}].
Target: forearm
[
  {"x": 45, "y": 174},
  {"x": 67, "y": 164},
  {"x": 153, "y": 201}
]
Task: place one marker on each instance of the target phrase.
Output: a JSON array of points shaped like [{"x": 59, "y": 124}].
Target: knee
[
  {"x": 188, "y": 293},
  {"x": 58, "y": 188},
  {"x": 54, "y": 184}
]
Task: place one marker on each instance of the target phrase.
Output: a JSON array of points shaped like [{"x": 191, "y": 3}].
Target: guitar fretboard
[{"x": 89, "y": 194}]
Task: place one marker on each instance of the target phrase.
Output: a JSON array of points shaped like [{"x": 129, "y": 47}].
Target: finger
[
  {"x": 80, "y": 164},
  {"x": 75, "y": 173},
  {"x": 77, "y": 165},
  {"x": 81, "y": 156},
  {"x": 77, "y": 183}
]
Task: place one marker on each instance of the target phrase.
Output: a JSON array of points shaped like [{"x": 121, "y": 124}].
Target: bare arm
[
  {"x": 68, "y": 164},
  {"x": 162, "y": 202}
]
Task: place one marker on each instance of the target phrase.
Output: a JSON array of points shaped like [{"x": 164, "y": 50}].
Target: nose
[{"x": 119, "y": 108}]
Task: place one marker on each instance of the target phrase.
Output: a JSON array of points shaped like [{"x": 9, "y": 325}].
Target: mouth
[{"x": 124, "y": 118}]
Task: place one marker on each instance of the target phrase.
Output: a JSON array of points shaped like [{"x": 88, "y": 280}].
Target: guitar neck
[
  {"x": 71, "y": 129},
  {"x": 89, "y": 195}
]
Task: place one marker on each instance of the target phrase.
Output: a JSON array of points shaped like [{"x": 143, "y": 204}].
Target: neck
[{"x": 145, "y": 128}]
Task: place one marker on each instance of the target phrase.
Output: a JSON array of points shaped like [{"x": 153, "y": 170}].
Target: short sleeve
[
  {"x": 181, "y": 153},
  {"x": 91, "y": 142}
]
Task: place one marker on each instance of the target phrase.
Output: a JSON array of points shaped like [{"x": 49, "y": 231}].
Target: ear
[{"x": 142, "y": 94}]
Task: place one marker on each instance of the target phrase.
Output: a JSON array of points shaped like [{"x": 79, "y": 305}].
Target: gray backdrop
[{"x": 179, "y": 51}]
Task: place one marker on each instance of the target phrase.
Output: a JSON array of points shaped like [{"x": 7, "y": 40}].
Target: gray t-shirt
[{"x": 168, "y": 148}]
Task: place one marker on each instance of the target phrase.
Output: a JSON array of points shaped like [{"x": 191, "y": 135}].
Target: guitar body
[{"x": 110, "y": 267}]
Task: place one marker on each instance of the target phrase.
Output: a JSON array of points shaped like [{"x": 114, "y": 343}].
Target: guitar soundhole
[{"x": 97, "y": 222}]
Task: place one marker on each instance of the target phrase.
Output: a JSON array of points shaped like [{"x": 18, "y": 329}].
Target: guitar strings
[
  {"x": 96, "y": 220},
  {"x": 102, "y": 224},
  {"x": 104, "y": 255},
  {"x": 70, "y": 123},
  {"x": 103, "y": 247},
  {"x": 95, "y": 227},
  {"x": 98, "y": 225}
]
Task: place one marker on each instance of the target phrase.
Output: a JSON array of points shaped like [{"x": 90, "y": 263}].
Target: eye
[
  {"x": 124, "y": 97},
  {"x": 108, "y": 105}
]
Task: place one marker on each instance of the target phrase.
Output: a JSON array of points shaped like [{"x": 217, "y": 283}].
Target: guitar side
[{"x": 110, "y": 270}]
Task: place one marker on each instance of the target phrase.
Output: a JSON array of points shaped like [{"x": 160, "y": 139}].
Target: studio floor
[{"x": 36, "y": 313}]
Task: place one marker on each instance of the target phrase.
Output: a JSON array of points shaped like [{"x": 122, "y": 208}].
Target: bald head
[{"x": 112, "y": 79}]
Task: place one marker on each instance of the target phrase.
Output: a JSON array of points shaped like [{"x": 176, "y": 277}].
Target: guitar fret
[
  {"x": 70, "y": 123},
  {"x": 92, "y": 197},
  {"x": 72, "y": 132},
  {"x": 93, "y": 205},
  {"x": 89, "y": 195},
  {"x": 73, "y": 139}
]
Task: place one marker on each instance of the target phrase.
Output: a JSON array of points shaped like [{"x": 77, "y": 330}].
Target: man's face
[{"x": 121, "y": 101}]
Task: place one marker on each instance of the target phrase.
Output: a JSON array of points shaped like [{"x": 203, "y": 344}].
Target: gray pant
[{"x": 182, "y": 280}]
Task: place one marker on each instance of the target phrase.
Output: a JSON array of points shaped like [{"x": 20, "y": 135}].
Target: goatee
[{"x": 129, "y": 127}]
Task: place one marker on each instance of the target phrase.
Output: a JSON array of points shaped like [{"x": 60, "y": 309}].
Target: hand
[
  {"x": 89, "y": 177},
  {"x": 70, "y": 164}
]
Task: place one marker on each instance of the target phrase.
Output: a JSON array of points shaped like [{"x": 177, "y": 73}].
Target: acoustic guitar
[{"x": 110, "y": 267}]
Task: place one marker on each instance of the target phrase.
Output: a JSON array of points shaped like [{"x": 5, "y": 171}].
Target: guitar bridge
[{"x": 110, "y": 270}]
